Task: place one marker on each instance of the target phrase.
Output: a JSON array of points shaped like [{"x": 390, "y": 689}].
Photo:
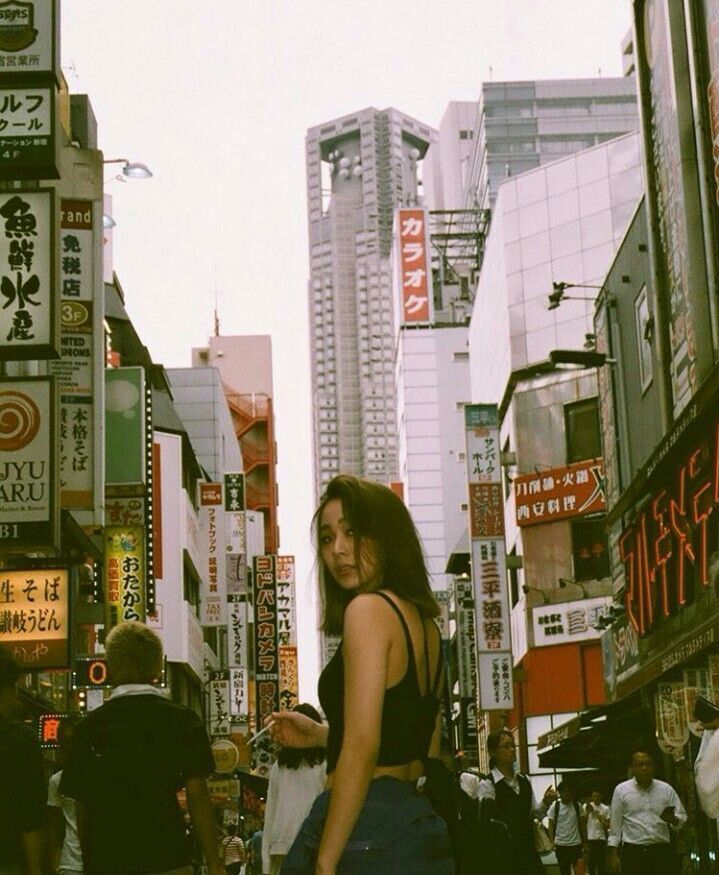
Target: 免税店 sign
[
  {"x": 35, "y": 617},
  {"x": 560, "y": 493},
  {"x": 667, "y": 549}
]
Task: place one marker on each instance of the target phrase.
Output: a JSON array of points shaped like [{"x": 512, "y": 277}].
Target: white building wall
[
  {"x": 432, "y": 374},
  {"x": 176, "y": 623}
]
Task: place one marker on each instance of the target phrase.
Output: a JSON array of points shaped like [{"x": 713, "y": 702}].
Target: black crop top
[{"x": 408, "y": 717}]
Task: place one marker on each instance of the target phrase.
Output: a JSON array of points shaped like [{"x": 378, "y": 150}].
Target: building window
[
  {"x": 644, "y": 324},
  {"x": 581, "y": 427},
  {"x": 589, "y": 549},
  {"x": 461, "y": 356}
]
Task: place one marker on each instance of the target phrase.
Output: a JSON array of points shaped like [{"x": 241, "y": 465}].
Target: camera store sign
[
  {"x": 667, "y": 549},
  {"x": 29, "y": 515}
]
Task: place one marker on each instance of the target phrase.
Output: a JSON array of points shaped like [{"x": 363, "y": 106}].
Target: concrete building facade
[{"x": 359, "y": 169}]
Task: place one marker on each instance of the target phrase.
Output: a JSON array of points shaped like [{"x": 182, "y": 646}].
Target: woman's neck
[{"x": 507, "y": 771}]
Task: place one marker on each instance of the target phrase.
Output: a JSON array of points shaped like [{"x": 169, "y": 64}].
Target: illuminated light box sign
[
  {"x": 667, "y": 550},
  {"x": 90, "y": 673},
  {"x": 51, "y": 730},
  {"x": 35, "y": 617}
]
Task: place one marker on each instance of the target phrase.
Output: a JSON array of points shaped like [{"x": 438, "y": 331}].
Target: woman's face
[
  {"x": 505, "y": 754},
  {"x": 338, "y": 550}
]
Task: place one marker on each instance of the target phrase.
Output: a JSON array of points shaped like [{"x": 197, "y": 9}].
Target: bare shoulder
[{"x": 367, "y": 610}]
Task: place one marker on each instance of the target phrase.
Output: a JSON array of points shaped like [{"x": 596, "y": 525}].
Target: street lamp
[
  {"x": 558, "y": 295},
  {"x": 579, "y": 358},
  {"x": 131, "y": 169}
]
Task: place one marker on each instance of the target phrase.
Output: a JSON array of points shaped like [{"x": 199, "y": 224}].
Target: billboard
[
  {"x": 489, "y": 575},
  {"x": 287, "y": 631},
  {"x": 125, "y": 450},
  {"x": 560, "y": 493},
  {"x": 213, "y": 608},
  {"x": 415, "y": 274},
  {"x": 28, "y": 142},
  {"x": 75, "y": 368},
  {"x": 29, "y": 512},
  {"x": 28, "y": 274},
  {"x": 568, "y": 622},
  {"x": 125, "y": 581},
  {"x": 35, "y": 617},
  {"x": 30, "y": 39},
  {"x": 267, "y": 656}
]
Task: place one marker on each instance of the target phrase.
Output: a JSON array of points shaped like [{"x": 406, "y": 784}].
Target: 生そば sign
[
  {"x": 35, "y": 617},
  {"x": 29, "y": 514},
  {"x": 28, "y": 315}
]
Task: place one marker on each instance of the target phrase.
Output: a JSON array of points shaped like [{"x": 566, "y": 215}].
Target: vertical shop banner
[
  {"x": 237, "y": 630},
  {"x": 125, "y": 582},
  {"x": 28, "y": 141},
  {"x": 30, "y": 39},
  {"x": 29, "y": 511},
  {"x": 35, "y": 617},
  {"x": 287, "y": 631},
  {"x": 415, "y": 275},
  {"x": 239, "y": 695},
  {"x": 489, "y": 573},
  {"x": 213, "y": 609},
  {"x": 267, "y": 657},
  {"x": 74, "y": 370},
  {"x": 125, "y": 426},
  {"x": 466, "y": 652},
  {"x": 28, "y": 274},
  {"x": 220, "y": 705},
  {"x": 235, "y": 492}
]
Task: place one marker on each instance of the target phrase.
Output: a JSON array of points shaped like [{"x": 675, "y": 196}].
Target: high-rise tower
[{"x": 360, "y": 168}]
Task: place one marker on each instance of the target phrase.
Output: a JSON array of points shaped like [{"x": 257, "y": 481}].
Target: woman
[
  {"x": 296, "y": 780},
  {"x": 380, "y": 693},
  {"x": 514, "y": 802}
]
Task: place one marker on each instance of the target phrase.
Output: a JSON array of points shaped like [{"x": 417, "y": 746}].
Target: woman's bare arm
[{"x": 366, "y": 645}]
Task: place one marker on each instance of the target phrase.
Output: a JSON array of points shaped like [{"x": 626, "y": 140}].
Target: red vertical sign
[{"x": 415, "y": 277}]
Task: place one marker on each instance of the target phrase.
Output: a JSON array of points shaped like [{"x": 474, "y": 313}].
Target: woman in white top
[{"x": 296, "y": 780}]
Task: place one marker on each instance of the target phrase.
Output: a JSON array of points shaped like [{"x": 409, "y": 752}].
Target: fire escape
[{"x": 253, "y": 419}]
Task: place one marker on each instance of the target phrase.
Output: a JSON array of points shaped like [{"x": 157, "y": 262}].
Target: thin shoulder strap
[
  {"x": 427, "y": 676},
  {"x": 405, "y": 627},
  {"x": 440, "y": 662}
]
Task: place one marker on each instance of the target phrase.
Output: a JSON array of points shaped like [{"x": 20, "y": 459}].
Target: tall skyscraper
[{"x": 360, "y": 168}]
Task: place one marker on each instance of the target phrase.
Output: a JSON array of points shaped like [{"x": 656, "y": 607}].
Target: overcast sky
[{"x": 216, "y": 96}]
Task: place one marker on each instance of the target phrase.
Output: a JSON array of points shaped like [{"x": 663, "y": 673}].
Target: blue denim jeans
[{"x": 397, "y": 831}]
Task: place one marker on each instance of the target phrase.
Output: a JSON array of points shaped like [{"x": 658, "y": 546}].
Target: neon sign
[{"x": 668, "y": 550}]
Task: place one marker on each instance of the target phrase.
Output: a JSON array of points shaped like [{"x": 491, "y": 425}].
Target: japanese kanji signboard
[
  {"x": 213, "y": 609},
  {"x": 28, "y": 144},
  {"x": 466, "y": 652},
  {"x": 237, "y": 630},
  {"x": 35, "y": 617},
  {"x": 489, "y": 573},
  {"x": 76, "y": 366},
  {"x": 219, "y": 696},
  {"x": 51, "y": 730},
  {"x": 124, "y": 574},
  {"x": 415, "y": 275},
  {"x": 239, "y": 695},
  {"x": 235, "y": 492},
  {"x": 29, "y": 39},
  {"x": 29, "y": 512},
  {"x": 267, "y": 656},
  {"x": 28, "y": 312},
  {"x": 287, "y": 631},
  {"x": 568, "y": 621},
  {"x": 560, "y": 493}
]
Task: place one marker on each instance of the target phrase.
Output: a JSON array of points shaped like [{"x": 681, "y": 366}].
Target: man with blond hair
[{"x": 129, "y": 759}]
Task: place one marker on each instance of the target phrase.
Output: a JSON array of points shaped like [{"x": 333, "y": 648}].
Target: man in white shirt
[
  {"x": 643, "y": 812},
  {"x": 597, "y": 814},
  {"x": 566, "y": 829}
]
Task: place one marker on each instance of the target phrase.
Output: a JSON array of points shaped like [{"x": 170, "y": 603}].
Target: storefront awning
[{"x": 597, "y": 739}]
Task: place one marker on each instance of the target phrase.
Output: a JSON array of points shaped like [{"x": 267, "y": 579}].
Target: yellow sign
[
  {"x": 124, "y": 574},
  {"x": 226, "y": 755},
  {"x": 34, "y": 616}
]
